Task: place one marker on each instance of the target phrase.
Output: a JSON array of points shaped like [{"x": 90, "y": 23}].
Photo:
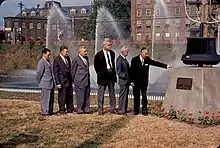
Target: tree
[{"x": 120, "y": 10}]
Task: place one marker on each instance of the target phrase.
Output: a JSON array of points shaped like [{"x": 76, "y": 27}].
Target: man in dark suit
[
  {"x": 104, "y": 64},
  {"x": 139, "y": 78},
  {"x": 81, "y": 80},
  {"x": 45, "y": 81},
  {"x": 122, "y": 68},
  {"x": 63, "y": 79}
]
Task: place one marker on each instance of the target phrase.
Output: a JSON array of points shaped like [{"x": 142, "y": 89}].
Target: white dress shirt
[
  {"x": 83, "y": 59},
  {"x": 106, "y": 58},
  {"x": 142, "y": 60}
]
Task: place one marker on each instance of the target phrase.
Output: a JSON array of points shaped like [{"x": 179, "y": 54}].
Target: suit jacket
[
  {"x": 140, "y": 73},
  {"x": 101, "y": 68},
  {"x": 62, "y": 72},
  {"x": 80, "y": 72},
  {"x": 123, "y": 70},
  {"x": 44, "y": 74}
]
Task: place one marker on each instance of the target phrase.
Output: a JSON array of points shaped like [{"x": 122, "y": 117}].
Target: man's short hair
[
  {"x": 45, "y": 50},
  {"x": 144, "y": 48},
  {"x": 124, "y": 47},
  {"x": 82, "y": 47},
  {"x": 63, "y": 47}
]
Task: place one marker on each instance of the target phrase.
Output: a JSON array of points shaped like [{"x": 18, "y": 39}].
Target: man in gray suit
[
  {"x": 81, "y": 80},
  {"x": 122, "y": 69},
  {"x": 45, "y": 81}
]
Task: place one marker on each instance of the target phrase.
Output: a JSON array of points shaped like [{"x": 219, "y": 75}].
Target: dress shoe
[
  {"x": 135, "y": 113},
  {"x": 88, "y": 112},
  {"x": 113, "y": 112}
]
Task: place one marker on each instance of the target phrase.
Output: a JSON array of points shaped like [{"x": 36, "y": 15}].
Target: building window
[
  {"x": 177, "y": 11},
  {"x": 157, "y": 12},
  {"x": 38, "y": 26},
  {"x": 15, "y": 24},
  {"x": 188, "y": 10},
  {"x": 23, "y": 25},
  {"x": 167, "y": 35},
  {"x": 177, "y": 34},
  {"x": 31, "y": 25},
  {"x": 139, "y": 13},
  {"x": 83, "y": 11},
  {"x": 138, "y": 24},
  {"x": 177, "y": 22},
  {"x": 33, "y": 13},
  {"x": 187, "y": 22},
  {"x": 45, "y": 26},
  {"x": 8, "y": 25},
  {"x": 24, "y": 13},
  {"x": 41, "y": 13},
  {"x": 148, "y": 12},
  {"x": 170, "y": 11},
  {"x": 54, "y": 27},
  {"x": 187, "y": 34},
  {"x": 167, "y": 1},
  {"x": 177, "y": 1},
  {"x": 167, "y": 22},
  {"x": 148, "y": 23},
  {"x": 157, "y": 23},
  {"x": 139, "y": 1},
  {"x": 157, "y": 36},
  {"x": 148, "y": 36},
  {"x": 73, "y": 12},
  {"x": 139, "y": 36}
]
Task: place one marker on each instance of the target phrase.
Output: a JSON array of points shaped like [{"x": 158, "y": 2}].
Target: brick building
[
  {"x": 171, "y": 23},
  {"x": 32, "y": 23}
]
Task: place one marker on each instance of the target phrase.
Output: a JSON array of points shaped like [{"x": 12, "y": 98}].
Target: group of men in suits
[{"x": 67, "y": 74}]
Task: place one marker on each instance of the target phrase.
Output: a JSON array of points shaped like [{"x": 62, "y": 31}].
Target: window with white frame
[
  {"x": 167, "y": 34},
  {"x": 187, "y": 22},
  {"x": 167, "y": 1},
  {"x": 33, "y": 13},
  {"x": 139, "y": 1},
  {"x": 177, "y": 11},
  {"x": 148, "y": 12},
  {"x": 139, "y": 13},
  {"x": 54, "y": 27},
  {"x": 177, "y": 22},
  {"x": 23, "y": 25},
  {"x": 157, "y": 23},
  {"x": 38, "y": 26},
  {"x": 138, "y": 36},
  {"x": 188, "y": 10},
  {"x": 187, "y": 34},
  {"x": 45, "y": 26},
  {"x": 83, "y": 11},
  {"x": 72, "y": 12},
  {"x": 167, "y": 22},
  {"x": 31, "y": 25},
  {"x": 138, "y": 23},
  {"x": 148, "y": 23},
  {"x": 177, "y": 34},
  {"x": 157, "y": 36},
  {"x": 24, "y": 13},
  {"x": 148, "y": 35},
  {"x": 157, "y": 11}
]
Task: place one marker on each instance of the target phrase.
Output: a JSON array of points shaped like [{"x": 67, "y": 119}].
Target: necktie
[
  {"x": 109, "y": 60},
  {"x": 67, "y": 64}
]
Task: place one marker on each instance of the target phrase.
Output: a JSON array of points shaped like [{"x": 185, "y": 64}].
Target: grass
[{"x": 22, "y": 126}]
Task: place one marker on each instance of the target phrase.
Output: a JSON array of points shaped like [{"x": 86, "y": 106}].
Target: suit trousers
[
  {"x": 47, "y": 101},
  {"x": 136, "y": 93},
  {"x": 65, "y": 97},
  {"x": 123, "y": 98},
  {"x": 101, "y": 91},
  {"x": 82, "y": 99}
]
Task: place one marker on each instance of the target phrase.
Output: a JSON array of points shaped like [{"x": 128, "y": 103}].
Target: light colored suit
[
  {"x": 45, "y": 81},
  {"x": 81, "y": 80}
]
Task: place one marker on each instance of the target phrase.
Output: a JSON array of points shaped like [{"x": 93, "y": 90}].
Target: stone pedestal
[{"x": 194, "y": 89}]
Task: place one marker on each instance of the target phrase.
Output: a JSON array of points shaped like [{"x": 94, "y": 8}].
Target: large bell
[{"x": 201, "y": 51}]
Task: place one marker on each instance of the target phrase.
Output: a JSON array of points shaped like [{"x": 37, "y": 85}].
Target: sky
[{"x": 10, "y": 7}]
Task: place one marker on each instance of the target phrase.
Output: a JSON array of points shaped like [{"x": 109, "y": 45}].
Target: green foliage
[{"x": 120, "y": 9}]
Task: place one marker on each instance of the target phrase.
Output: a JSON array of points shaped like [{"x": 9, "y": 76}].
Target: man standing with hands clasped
[{"x": 139, "y": 78}]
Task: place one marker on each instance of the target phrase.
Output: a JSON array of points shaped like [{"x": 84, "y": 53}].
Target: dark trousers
[
  {"x": 136, "y": 93},
  {"x": 101, "y": 91},
  {"x": 123, "y": 99},
  {"x": 82, "y": 99},
  {"x": 65, "y": 97}
]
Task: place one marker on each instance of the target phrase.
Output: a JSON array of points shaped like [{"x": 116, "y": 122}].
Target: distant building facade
[
  {"x": 171, "y": 24},
  {"x": 32, "y": 23}
]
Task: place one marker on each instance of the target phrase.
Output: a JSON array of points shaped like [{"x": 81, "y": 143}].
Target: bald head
[
  {"x": 82, "y": 51},
  {"x": 107, "y": 44}
]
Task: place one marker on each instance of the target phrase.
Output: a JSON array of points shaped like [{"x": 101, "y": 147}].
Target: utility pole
[{"x": 20, "y": 5}]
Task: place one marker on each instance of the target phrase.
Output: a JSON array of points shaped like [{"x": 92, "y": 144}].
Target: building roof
[{"x": 65, "y": 9}]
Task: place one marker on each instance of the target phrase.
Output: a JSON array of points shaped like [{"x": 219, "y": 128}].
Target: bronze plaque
[{"x": 184, "y": 83}]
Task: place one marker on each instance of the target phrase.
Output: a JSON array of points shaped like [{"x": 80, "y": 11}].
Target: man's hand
[
  {"x": 59, "y": 86},
  {"x": 169, "y": 67}
]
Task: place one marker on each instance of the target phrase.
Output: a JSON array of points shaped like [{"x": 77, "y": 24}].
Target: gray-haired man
[
  {"x": 45, "y": 81},
  {"x": 122, "y": 69}
]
